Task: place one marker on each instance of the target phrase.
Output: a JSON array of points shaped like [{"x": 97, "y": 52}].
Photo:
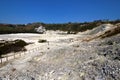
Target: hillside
[{"x": 102, "y": 31}]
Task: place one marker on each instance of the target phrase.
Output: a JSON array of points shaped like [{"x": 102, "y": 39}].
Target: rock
[
  {"x": 0, "y": 78},
  {"x": 25, "y": 78}
]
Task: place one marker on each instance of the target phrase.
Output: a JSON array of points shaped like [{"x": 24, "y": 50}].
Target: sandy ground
[
  {"x": 56, "y": 40},
  {"x": 64, "y": 58}
]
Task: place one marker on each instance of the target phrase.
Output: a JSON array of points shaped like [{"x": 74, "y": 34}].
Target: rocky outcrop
[{"x": 40, "y": 29}]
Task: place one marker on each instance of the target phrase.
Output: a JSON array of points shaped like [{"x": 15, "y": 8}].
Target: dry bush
[
  {"x": 12, "y": 46},
  {"x": 42, "y": 40}
]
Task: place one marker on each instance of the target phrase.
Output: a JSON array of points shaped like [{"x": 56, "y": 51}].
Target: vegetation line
[{"x": 70, "y": 27}]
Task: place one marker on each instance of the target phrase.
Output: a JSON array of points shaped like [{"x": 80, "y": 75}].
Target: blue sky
[{"x": 57, "y": 11}]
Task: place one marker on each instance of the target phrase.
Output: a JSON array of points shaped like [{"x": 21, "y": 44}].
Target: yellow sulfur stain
[
  {"x": 82, "y": 74},
  {"x": 37, "y": 59}
]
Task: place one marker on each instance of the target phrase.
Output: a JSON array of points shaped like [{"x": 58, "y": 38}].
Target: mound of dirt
[
  {"x": 100, "y": 29},
  {"x": 103, "y": 31},
  {"x": 111, "y": 32}
]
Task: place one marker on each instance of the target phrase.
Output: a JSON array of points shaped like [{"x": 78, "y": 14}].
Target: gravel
[{"x": 68, "y": 60}]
